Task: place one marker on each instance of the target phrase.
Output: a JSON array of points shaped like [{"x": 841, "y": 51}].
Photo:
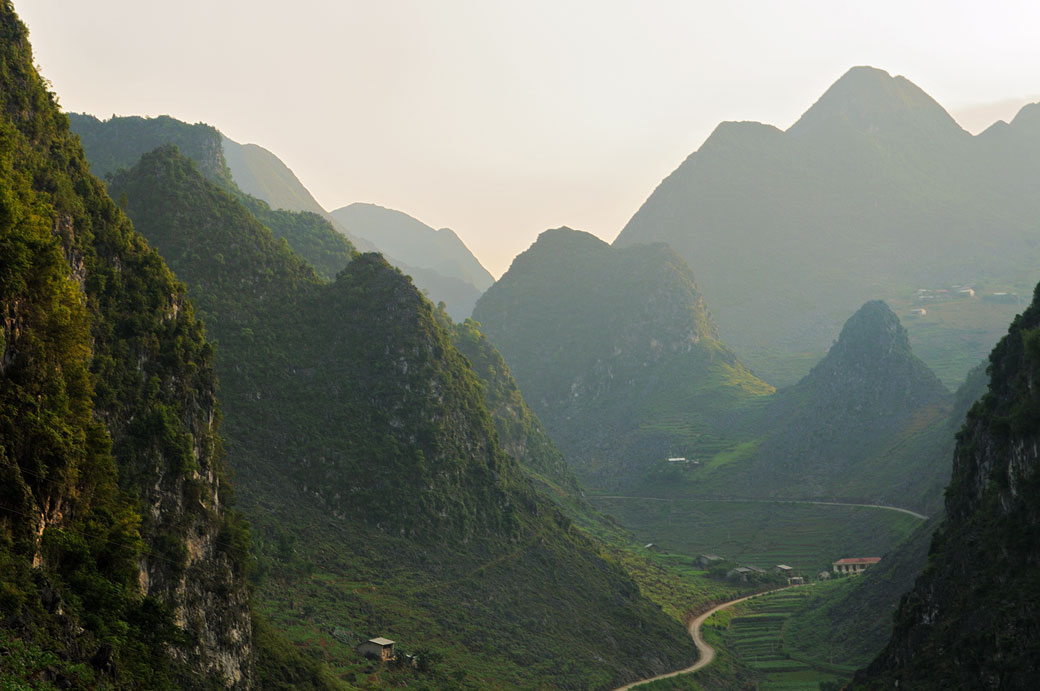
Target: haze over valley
[{"x": 777, "y": 428}]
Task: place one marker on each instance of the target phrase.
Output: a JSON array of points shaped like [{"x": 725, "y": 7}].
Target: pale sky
[{"x": 502, "y": 119}]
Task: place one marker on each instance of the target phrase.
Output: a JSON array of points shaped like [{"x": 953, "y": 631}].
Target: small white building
[
  {"x": 854, "y": 565},
  {"x": 381, "y": 649}
]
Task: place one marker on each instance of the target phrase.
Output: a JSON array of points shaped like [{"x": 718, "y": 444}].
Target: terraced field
[
  {"x": 805, "y": 536},
  {"x": 754, "y": 632}
]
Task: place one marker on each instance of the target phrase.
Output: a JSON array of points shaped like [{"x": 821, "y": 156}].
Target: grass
[
  {"x": 807, "y": 537},
  {"x": 741, "y": 451},
  {"x": 955, "y": 335}
]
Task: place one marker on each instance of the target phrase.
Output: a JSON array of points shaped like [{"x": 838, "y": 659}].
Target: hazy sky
[{"x": 502, "y": 119}]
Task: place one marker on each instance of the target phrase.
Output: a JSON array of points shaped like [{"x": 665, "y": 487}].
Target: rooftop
[
  {"x": 859, "y": 560},
  {"x": 381, "y": 641}
]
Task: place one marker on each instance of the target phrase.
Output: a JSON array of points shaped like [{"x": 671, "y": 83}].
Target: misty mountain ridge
[
  {"x": 445, "y": 269},
  {"x": 870, "y": 101},
  {"x": 874, "y": 192},
  {"x": 614, "y": 349},
  {"x": 437, "y": 259}
]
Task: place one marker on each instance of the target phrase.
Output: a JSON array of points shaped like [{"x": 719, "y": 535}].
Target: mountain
[
  {"x": 122, "y": 563},
  {"x": 854, "y": 622},
  {"x": 519, "y": 430},
  {"x": 119, "y": 142},
  {"x": 615, "y": 351},
  {"x": 371, "y": 468},
  {"x": 261, "y": 174},
  {"x": 874, "y": 192},
  {"x": 970, "y": 619},
  {"x": 443, "y": 267},
  {"x": 840, "y": 432},
  {"x": 412, "y": 243}
]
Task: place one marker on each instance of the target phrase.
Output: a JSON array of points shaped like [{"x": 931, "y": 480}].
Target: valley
[{"x": 783, "y": 432}]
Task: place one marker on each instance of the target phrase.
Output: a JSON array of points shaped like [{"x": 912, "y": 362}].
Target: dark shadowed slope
[
  {"x": 971, "y": 619},
  {"x": 121, "y": 562},
  {"x": 372, "y": 469}
]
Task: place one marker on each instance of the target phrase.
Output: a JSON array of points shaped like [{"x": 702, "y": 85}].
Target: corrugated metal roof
[{"x": 381, "y": 641}]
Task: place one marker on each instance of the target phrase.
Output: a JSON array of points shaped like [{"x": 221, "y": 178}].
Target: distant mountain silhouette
[
  {"x": 875, "y": 191},
  {"x": 615, "y": 351},
  {"x": 408, "y": 242}
]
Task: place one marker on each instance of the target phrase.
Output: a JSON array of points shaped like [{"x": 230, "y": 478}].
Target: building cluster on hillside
[{"x": 932, "y": 295}]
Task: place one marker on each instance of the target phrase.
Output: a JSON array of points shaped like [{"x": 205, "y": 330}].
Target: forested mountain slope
[
  {"x": 615, "y": 351},
  {"x": 970, "y": 621},
  {"x": 366, "y": 455},
  {"x": 121, "y": 562},
  {"x": 874, "y": 192}
]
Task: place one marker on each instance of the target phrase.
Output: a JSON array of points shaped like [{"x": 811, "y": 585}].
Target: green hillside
[
  {"x": 361, "y": 441},
  {"x": 261, "y": 174},
  {"x": 616, "y": 353},
  {"x": 874, "y": 193},
  {"x": 868, "y": 424}
]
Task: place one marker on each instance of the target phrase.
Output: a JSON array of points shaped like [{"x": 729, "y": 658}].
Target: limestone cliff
[{"x": 971, "y": 619}]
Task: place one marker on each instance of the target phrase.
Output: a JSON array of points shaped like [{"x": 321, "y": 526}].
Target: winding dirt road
[{"x": 706, "y": 654}]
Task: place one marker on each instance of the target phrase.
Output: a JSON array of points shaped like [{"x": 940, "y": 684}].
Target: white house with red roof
[{"x": 854, "y": 565}]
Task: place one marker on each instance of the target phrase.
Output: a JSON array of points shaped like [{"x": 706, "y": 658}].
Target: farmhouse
[
  {"x": 854, "y": 565},
  {"x": 795, "y": 580},
  {"x": 783, "y": 569},
  {"x": 741, "y": 573},
  {"x": 706, "y": 560},
  {"x": 381, "y": 649}
]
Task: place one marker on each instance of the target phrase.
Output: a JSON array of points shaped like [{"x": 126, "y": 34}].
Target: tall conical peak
[
  {"x": 867, "y": 98},
  {"x": 876, "y": 327},
  {"x": 873, "y": 353}
]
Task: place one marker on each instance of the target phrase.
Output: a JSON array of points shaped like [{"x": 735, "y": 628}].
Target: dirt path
[
  {"x": 768, "y": 501},
  {"x": 706, "y": 654}
]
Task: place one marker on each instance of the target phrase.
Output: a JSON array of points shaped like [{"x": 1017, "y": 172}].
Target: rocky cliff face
[
  {"x": 971, "y": 619},
  {"x": 118, "y": 545}
]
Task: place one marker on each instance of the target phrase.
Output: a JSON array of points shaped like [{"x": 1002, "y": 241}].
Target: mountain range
[
  {"x": 444, "y": 269},
  {"x": 874, "y": 192},
  {"x": 364, "y": 452}
]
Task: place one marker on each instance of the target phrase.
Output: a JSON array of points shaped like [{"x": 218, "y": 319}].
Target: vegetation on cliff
[
  {"x": 970, "y": 621},
  {"x": 361, "y": 438},
  {"x": 615, "y": 351},
  {"x": 121, "y": 560}
]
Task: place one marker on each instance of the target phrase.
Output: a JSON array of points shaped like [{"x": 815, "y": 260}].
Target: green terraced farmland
[
  {"x": 753, "y": 633},
  {"x": 807, "y": 537}
]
